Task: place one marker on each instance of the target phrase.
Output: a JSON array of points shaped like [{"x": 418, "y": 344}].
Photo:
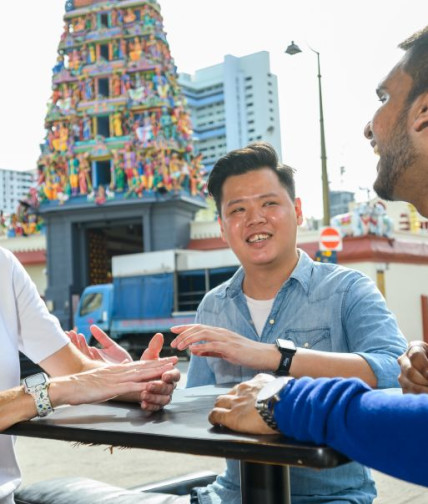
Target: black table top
[{"x": 181, "y": 427}]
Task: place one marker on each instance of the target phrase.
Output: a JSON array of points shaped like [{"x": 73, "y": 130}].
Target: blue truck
[{"x": 150, "y": 293}]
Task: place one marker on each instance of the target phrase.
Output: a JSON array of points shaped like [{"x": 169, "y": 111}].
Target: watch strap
[
  {"x": 286, "y": 359},
  {"x": 41, "y": 398},
  {"x": 40, "y": 394},
  {"x": 267, "y": 415}
]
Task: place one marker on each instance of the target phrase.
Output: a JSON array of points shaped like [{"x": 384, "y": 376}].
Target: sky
[{"x": 357, "y": 42}]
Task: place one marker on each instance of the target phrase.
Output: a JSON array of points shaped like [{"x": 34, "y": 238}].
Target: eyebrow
[{"x": 261, "y": 196}]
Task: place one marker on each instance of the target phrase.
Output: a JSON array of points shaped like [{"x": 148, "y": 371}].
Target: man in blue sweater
[{"x": 369, "y": 426}]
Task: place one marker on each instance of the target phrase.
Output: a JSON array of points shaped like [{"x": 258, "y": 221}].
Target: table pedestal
[{"x": 269, "y": 484}]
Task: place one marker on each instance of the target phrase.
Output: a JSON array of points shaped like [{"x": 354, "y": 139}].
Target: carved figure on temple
[
  {"x": 116, "y": 85},
  {"x": 115, "y": 49},
  {"x": 129, "y": 163},
  {"x": 86, "y": 128},
  {"x": 73, "y": 174},
  {"x": 79, "y": 24},
  {"x": 85, "y": 184},
  {"x": 129, "y": 16},
  {"x": 117, "y": 124},
  {"x": 88, "y": 89},
  {"x": 59, "y": 64},
  {"x": 118, "y": 179},
  {"x": 135, "y": 49},
  {"x": 160, "y": 83}
]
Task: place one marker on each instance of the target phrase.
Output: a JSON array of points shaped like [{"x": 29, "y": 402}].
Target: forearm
[
  {"x": 15, "y": 406},
  {"x": 330, "y": 365},
  {"x": 317, "y": 364},
  {"x": 371, "y": 427}
]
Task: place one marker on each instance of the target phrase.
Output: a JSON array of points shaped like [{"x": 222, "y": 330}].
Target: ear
[
  {"x": 298, "y": 210},
  {"x": 419, "y": 113},
  {"x": 220, "y": 223}
]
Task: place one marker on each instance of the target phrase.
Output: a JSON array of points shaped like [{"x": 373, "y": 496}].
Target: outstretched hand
[
  {"x": 209, "y": 341},
  {"x": 110, "y": 352}
]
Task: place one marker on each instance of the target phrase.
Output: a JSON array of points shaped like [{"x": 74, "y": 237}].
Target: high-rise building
[
  {"x": 339, "y": 202},
  {"x": 233, "y": 103},
  {"x": 14, "y": 184}
]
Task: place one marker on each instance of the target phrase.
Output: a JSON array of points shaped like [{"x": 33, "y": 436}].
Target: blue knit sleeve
[{"x": 380, "y": 430}]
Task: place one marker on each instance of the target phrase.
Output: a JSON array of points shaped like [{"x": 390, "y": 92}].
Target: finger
[
  {"x": 155, "y": 347},
  {"x": 158, "y": 387},
  {"x": 224, "y": 401},
  {"x": 218, "y": 416},
  {"x": 172, "y": 376},
  {"x": 156, "y": 399},
  {"x": 195, "y": 335},
  {"x": 179, "y": 330},
  {"x": 101, "y": 336},
  {"x": 147, "y": 406}
]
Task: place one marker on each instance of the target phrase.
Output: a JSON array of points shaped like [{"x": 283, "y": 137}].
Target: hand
[
  {"x": 102, "y": 384},
  {"x": 110, "y": 352},
  {"x": 237, "y": 410},
  {"x": 227, "y": 345},
  {"x": 158, "y": 393},
  {"x": 414, "y": 368}
]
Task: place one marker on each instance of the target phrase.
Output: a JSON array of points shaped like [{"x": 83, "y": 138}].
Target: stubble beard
[{"x": 399, "y": 156}]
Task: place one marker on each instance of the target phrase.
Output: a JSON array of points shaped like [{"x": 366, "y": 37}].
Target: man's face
[
  {"x": 259, "y": 219},
  {"x": 388, "y": 132}
]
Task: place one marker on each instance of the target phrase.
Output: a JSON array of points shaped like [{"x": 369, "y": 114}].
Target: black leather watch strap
[{"x": 287, "y": 350}]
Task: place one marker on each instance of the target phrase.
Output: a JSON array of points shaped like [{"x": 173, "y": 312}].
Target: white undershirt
[
  {"x": 259, "y": 311},
  {"x": 26, "y": 325}
]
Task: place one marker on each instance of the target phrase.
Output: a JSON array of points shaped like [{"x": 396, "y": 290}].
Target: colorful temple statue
[{"x": 117, "y": 123}]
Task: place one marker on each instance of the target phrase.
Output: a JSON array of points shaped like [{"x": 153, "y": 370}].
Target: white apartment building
[
  {"x": 232, "y": 104},
  {"x": 14, "y": 184}
]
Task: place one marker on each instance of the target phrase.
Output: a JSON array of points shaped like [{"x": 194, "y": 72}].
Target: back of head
[
  {"x": 415, "y": 62},
  {"x": 255, "y": 156}
]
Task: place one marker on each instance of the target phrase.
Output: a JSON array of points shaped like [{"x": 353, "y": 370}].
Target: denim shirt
[{"x": 322, "y": 307}]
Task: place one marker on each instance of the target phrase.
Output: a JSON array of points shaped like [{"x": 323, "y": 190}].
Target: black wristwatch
[
  {"x": 268, "y": 397},
  {"x": 287, "y": 349}
]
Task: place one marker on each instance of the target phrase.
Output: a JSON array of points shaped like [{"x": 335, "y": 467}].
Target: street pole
[
  {"x": 295, "y": 49},
  {"x": 324, "y": 174}
]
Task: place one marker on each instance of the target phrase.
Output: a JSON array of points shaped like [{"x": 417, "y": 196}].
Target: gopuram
[{"x": 117, "y": 172}]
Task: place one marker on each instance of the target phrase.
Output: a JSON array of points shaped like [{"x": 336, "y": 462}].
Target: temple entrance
[{"x": 103, "y": 241}]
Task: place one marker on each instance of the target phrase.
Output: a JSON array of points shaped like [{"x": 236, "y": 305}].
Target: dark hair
[
  {"x": 416, "y": 62},
  {"x": 255, "y": 156}
]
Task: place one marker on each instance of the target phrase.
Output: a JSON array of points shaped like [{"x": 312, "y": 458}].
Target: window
[
  {"x": 104, "y": 52},
  {"x": 90, "y": 303}
]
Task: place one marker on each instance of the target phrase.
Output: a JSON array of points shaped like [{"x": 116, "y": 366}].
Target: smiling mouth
[{"x": 257, "y": 238}]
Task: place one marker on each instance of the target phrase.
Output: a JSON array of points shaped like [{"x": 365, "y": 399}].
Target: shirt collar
[{"x": 302, "y": 273}]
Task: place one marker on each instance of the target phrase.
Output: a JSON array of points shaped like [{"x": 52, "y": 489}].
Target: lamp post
[{"x": 293, "y": 49}]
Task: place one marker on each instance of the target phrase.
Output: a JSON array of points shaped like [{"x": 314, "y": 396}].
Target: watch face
[
  {"x": 286, "y": 344},
  {"x": 272, "y": 388},
  {"x": 34, "y": 380}
]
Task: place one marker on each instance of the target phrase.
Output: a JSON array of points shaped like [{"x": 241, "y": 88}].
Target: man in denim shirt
[{"x": 336, "y": 317}]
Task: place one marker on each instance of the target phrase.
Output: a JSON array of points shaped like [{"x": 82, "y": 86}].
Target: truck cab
[{"x": 95, "y": 307}]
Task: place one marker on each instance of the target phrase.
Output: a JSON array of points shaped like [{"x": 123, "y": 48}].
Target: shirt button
[
  {"x": 272, "y": 321},
  {"x": 306, "y": 345}
]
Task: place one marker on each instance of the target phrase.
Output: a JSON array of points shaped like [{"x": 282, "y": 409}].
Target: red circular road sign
[{"x": 330, "y": 239}]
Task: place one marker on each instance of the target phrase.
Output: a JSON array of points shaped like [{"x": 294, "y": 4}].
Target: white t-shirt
[
  {"x": 25, "y": 325},
  {"x": 259, "y": 311}
]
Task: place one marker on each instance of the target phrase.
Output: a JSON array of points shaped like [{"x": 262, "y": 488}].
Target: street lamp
[{"x": 293, "y": 49}]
